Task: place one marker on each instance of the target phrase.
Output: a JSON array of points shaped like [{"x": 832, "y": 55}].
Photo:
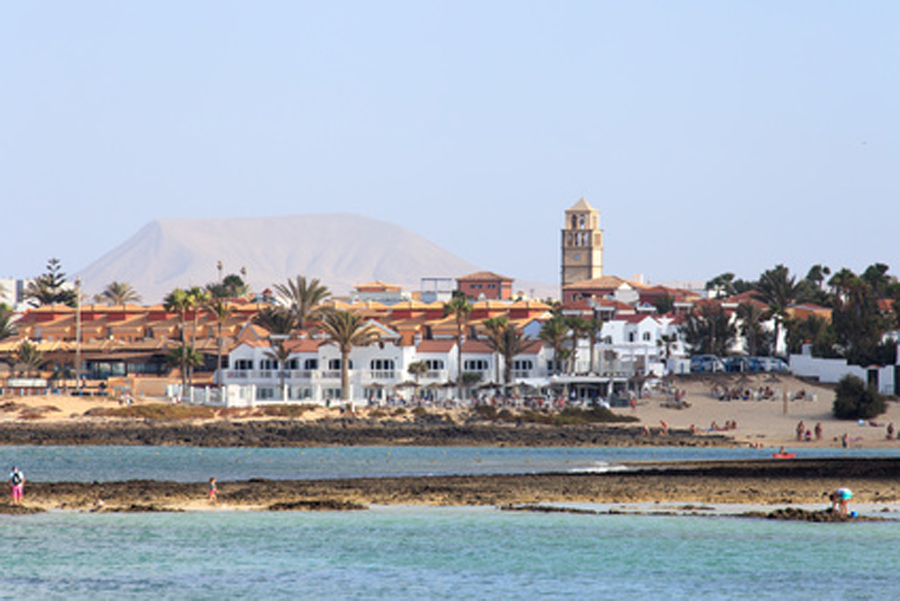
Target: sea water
[
  {"x": 440, "y": 553},
  {"x": 195, "y": 464}
]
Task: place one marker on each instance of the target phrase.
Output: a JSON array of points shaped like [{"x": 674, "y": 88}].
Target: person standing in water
[{"x": 16, "y": 485}]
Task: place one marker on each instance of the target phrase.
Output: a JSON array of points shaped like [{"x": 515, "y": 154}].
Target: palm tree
[
  {"x": 348, "y": 330},
  {"x": 119, "y": 293},
  {"x": 220, "y": 310},
  {"x": 495, "y": 327},
  {"x": 459, "y": 307},
  {"x": 28, "y": 356},
  {"x": 185, "y": 357},
  {"x": 417, "y": 369},
  {"x": 177, "y": 301},
  {"x": 7, "y": 325},
  {"x": 281, "y": 354},
  {"x": 751, "y": 317},
  {"x": 508, "y": 343},
  {"x": 277, "y": 320},
  {"x": 593, "y": 328},
  {"x": 578, "y": 326},
  {"x": 304, "y": 298},
  {"x": 777, "y": 288},
  {"x": 554, "y": 332},
  {"x": 197, "y": 297}
]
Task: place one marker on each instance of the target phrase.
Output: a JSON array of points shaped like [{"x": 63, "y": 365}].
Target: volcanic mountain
[{"x": 342, "y": 250}]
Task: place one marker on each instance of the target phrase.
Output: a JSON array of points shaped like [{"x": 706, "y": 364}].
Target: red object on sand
[{"x": 784, "y": 455}]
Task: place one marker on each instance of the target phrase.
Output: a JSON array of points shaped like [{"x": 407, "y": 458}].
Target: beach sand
[{"x": 770, "y": 423}]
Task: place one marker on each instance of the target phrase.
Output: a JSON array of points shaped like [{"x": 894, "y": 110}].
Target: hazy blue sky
[{"x": 712, "y": 136}]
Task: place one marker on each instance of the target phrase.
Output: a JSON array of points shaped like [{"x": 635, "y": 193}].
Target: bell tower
[{"x": 582, "y": 244}]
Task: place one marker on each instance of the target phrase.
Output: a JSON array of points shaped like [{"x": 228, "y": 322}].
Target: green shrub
[
  {"x": 854, "y": 400},
  {"x": 419, "y": 411}
]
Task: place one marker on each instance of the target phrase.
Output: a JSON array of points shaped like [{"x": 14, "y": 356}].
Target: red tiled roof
[
  {"x": 483, "y": 276},
  {"x": 435, "y": 346}
]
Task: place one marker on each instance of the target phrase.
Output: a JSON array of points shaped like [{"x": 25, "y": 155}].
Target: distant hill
[{"x": 342, "y": 250}]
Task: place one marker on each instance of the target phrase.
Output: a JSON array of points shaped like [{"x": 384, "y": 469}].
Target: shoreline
[
  {"x": 755, "y": 482},
  {"x": 339, "y": 432}
]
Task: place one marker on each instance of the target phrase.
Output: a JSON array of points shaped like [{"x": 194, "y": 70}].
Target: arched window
[{"x": 574, "y": 222}]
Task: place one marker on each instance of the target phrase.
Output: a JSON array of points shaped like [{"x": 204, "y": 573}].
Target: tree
[
  {"x": 347, "y": 330},
  {"x": 177, "y": 301},
  {"x": 50, "y": 287},
  {"x": 303, "y": 298},
  {"x": 184, "y": 357},
  {"x": 231, "y": 286},
  {"x": 554, "y": 332},
  {"x": 854, "y": 400},
  {"x": 221, "y": 312},
  {"x": 7, "y": 322},
  {"x": 277, "y": 320},
  {"x": 858, "y": 324},
  {"x": 725, "y": 285},
  {"x": 493, "y": 330},
  {"x": 280, "y": 353},
  {"x": 459, "y": 307},
  {"x": 28, "y": 357},
  {"x": 118, "y": 293},
  {"x": 593, "y": 329},
  {"x": 578, "y": 327},
  {"x": 751, "y": 317},
  {"x": 777, "y": 288},
  {"x": 507, "y": 342},
  {"x": 417, "y": 369},
  {"x": 709, "y": 331},
  {"x": 814, "y": 330},
  {"x": 664, "y": 304}
]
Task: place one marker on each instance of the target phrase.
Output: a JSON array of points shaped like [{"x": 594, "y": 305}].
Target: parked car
[{"x": 706, "y": 364}]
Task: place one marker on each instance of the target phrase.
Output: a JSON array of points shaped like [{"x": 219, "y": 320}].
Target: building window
[
  {"x": 630, "y": 336},
  {"x": 335, "y": 364},
  {"x": 243, "y": 364},
  {"x": 292, "y": 364},
  {"x": 434, "y": 364},
  {"x": 268, "y": 364},
  {"x": 523, "y": 365},
  {"x": 265, "y": 393},
  {"x": 475, "y": 365},
  {"x": 646, "y": 336},
  {"x": 381, "y": 364}
]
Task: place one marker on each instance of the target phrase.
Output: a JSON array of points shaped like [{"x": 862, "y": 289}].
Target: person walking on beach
[
  {"x": 213, "y": 492},
  {"x": 16, "y": 485}
]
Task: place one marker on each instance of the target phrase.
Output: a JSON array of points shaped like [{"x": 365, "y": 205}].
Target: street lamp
[{"x": 78, "y": 383}]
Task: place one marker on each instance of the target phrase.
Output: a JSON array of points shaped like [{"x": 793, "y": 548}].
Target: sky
[{"x": 712, "y": 136}]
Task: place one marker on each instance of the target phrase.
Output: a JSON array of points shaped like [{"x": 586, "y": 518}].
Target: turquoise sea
[
  {"x": 193, "y": 464},
  {"x": 420, "y": 552},
  {"x": 440, "y": 553}
]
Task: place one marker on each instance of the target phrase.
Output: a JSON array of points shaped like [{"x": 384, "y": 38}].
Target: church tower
[{"x": 582, "y": 244}]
